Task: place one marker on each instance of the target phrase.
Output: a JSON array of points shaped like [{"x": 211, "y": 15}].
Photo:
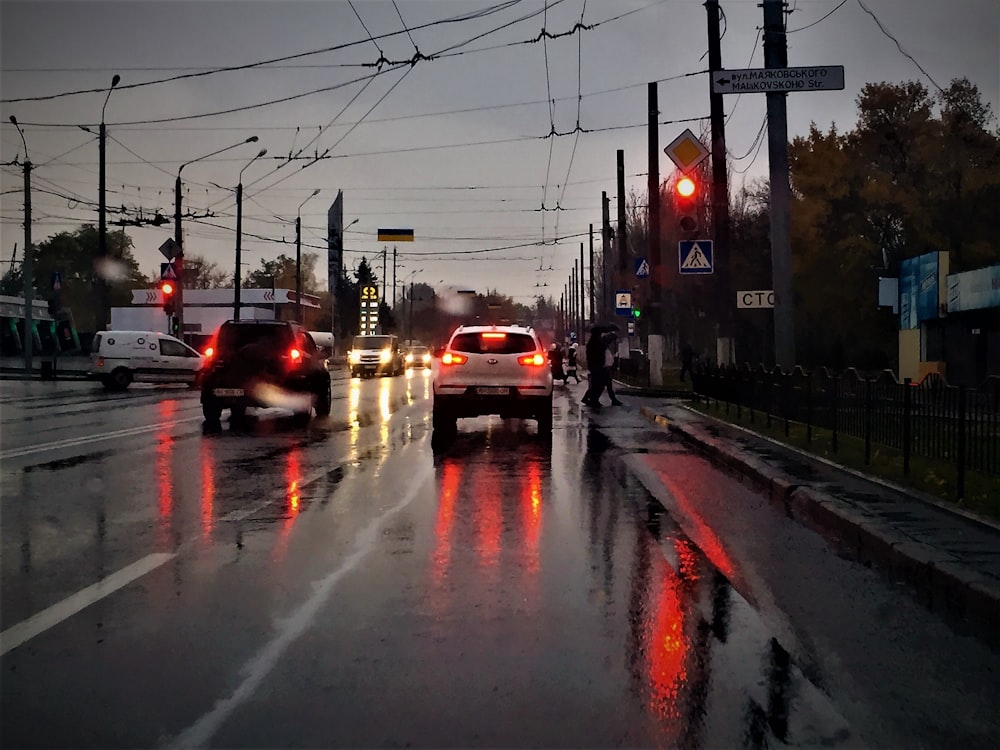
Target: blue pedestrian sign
[
  {"x": 641, "y": 268},
  {"x": 695, "y": 256}
]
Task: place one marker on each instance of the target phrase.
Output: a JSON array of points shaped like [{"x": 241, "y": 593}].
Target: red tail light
[
  {"x": 532, "y": 360},
  {"x": 492, "y": 335},
  {"x": 209, "y": 352},
  {"x": 451, "y": 358},
  {"x": 294, "y": 355}
]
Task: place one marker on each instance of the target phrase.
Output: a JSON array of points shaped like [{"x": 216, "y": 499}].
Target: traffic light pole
[
  {"x": 722, "y": 260},
  {"x": 178, "y": 260}
]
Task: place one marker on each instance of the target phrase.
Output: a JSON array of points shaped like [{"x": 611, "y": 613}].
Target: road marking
[
  {"x": 73, "y": 442},
  {"x": 260, "y": 665},
  {"x": 38, "y": 623}
]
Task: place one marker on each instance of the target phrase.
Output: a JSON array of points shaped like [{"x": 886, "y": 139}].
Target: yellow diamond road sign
[{"x": 686, "y": 151}]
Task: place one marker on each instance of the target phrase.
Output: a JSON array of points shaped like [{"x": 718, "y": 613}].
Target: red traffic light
[
  {"x": 686, "y": 187},
  {"x": 167, "y": 287}
]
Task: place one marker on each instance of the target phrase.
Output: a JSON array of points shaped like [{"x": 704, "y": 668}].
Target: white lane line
[
  {"x": 38, "y": 623},
  {"x": 260, "y": 665},
  {"x": 73, "y": 442}
]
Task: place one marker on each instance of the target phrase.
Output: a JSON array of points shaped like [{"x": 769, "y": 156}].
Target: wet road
[{"x": 345, "y": 585}]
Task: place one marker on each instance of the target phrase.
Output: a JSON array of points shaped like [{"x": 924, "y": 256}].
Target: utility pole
[
  {"x": 776, "y": 56},
  {"x": 178, "y": 259},
  {"x": 583, "y": 296},
  {"x": 605, "y": 253},
  {"x": 385, "y": 251},
  {"x": 104, "y": 298},
  {"x": 621, "y": 234},
  {"x": 720, "y": 194},
  {"x": 28, "y": 266},
  {"x": 592, "y": 298},
  {"x": 655, "y": 319},
  {"x": 394, "y": 278}
]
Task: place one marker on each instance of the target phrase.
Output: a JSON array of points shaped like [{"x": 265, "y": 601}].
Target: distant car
[
  {"x": 264, "y": 363},
  {"x": 418, "y": 356},
  {"x": 120, "y": 358},
  {"x": 502, "y": 370},
  {"x": 375, "y": 355}
]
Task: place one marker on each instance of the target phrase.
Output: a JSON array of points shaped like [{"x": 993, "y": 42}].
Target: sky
[{"x": 488, "y": 138}]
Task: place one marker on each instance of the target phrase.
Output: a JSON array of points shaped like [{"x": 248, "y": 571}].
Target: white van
[{"x": 119, "y": 358}]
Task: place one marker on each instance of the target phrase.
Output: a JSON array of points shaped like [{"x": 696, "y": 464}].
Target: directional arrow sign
[{"x": 774, "y": 80}]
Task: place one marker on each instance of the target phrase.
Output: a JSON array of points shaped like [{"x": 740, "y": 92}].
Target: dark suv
[{"x": 263, "y": 363}]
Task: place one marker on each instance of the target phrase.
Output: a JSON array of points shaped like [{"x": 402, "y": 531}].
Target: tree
[
  {"x": 280, "y": 273},
  {"x": 200, "y": 273},
  {"x": 74, "y": 255}
]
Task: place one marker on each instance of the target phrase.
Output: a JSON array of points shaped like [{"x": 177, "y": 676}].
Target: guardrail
[{"x": 928, "y": 418}]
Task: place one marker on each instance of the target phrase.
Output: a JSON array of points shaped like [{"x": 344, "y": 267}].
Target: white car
[
  {"x": 500, "y": 370},
  {"x": 119, "y": 358}
]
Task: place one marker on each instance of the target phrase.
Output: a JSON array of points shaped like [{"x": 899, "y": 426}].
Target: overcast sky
[{"x": 455, "y": 147}]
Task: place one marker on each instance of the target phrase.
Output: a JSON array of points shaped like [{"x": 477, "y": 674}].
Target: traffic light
[
  {"x": 169, "y": 290},
  {"x": 636, "y": 313},
  {"x": 686, "y": 199},
  {"x": 175, "y": 325}
]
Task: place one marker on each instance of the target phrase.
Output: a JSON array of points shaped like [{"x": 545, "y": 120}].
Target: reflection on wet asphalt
[{"x": 342, "y": 584}]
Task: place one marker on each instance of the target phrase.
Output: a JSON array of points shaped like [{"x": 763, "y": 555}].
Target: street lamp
[
  {"x": 239, "y": 234},
  {"x": 298, "y": 257},
  {"x": 178, "y": 258},
  {"x": 27, "y": 268},
  {"x": 102, "y": 243}
]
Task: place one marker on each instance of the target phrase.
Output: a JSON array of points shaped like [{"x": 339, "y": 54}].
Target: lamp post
[
  {"x": 239, "y": 235},
  {"x": 28, "y": 267},
  {"x": 102, "y": 242},
  {"x": 178, "y": 259},
  {"x": 298, "y": 257}
]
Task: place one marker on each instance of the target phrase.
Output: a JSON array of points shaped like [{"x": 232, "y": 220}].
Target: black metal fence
[{"x": 928, "y": 418}]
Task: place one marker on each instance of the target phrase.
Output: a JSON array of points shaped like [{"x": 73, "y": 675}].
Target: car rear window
[
  {"x": 234, "y": 337},
  {"x": 484, "y": 343},
  {"x": 371, "y": 342}
]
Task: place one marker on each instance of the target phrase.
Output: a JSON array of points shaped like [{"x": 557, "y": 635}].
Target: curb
[{"x": 940, "y": 581}]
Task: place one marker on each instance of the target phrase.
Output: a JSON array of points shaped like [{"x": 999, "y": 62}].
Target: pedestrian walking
[
  {"x": 687, "y": 359},
  {"x": 556, "y": 363},
  {"x": 610, "y": 341},
  {"x": 594, "y": 352},
  {"x": 571, "y": 363}
]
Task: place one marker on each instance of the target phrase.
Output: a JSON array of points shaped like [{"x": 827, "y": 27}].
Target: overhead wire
[{"x": 902, "y": 51}]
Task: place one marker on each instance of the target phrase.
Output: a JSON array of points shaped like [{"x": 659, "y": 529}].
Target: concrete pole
[{"x": 776, "y": 56}]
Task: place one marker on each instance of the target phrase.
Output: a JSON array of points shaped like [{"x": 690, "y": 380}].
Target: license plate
[
  {"x": 228, "y": 392},
  {"x": 492, "y": 391}
]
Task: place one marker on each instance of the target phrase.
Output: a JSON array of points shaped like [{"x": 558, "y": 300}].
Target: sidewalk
[
  {"x": 949, "y": 558},
  {"x": 66, "y": 367}
]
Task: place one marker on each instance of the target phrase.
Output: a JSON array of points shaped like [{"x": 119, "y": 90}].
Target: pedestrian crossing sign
[
  {"x": 641, "y": 268},
  {"x": 695, "y": 256}
]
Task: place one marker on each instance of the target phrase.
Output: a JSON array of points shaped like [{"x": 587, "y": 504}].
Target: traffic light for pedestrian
[
  {"x": 685, "y": 201},
  {"x": 636, "y": 313},
  {"x": 175, "y": 325},
  {"x": 169, "y": 291}
]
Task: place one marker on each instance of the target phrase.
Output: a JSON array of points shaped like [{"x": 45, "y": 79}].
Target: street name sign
[
  {"x": 755, "y": 298},
  {"x": 623, "y": 302},
  {"x": 694, "y": 256},
  {"x": 778, "y": 80}
]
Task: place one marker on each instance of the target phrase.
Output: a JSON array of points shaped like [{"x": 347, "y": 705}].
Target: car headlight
[
  {"x": 354, "y": 357},
  {"x": 409, "y": 359},
  {"x": 427, "y": 358},
  {"x": 385, "y": 356}
]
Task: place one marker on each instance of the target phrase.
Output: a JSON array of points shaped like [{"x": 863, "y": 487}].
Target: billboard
[
  {"x": 919, "y": 290},
  {"x": 974, "y": 290}
]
